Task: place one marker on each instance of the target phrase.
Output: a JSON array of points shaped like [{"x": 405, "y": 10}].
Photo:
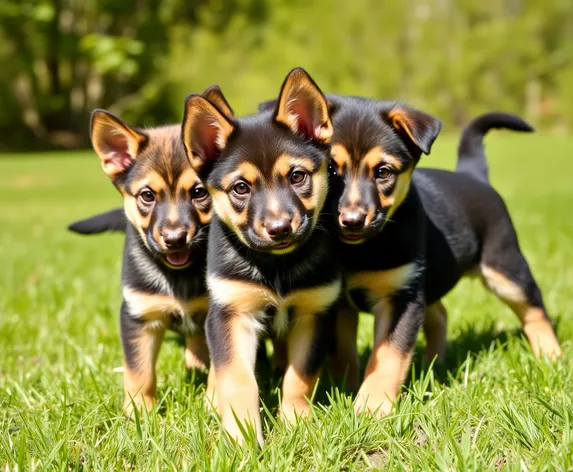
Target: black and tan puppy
[
  {"x": 409, "y": 236},
  {"x": 166, "y": 213},
  {"x": 269, "y": 261}
]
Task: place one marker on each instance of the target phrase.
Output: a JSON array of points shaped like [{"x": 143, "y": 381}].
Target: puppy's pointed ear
[
  {"x": 205, "y": 131},
  {"x": 216, "y": 97},
  {"x": 116, "y": 143},
  {"x": 303, "y": 108},
  {"x": 267, "y": 106},
  {"x": 414, "y": 126}
]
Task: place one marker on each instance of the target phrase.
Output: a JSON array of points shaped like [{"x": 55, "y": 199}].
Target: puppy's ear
[
  {"x": 216, "y": 97},
  {"x": 205, "y": 131},
  {"x": 414, "y": 126},
  {"x": 267, "y": 106},
  {"x": 303, "y": 108},
  {"x": 116, "y": 143}
]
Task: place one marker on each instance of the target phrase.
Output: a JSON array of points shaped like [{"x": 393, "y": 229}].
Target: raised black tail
[
  {"x": 471, "y": 152},
  {"x": 112, "y": 220}
]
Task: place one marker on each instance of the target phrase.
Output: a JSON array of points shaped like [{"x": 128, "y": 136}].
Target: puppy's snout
[
  {"x": 278, "y": 228},
  {"x": 352, "y": 220},
  {"x": 174, "y": 238}
]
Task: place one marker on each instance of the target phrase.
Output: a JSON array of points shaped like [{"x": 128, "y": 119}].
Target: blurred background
[{"x": 140, "y": 58}]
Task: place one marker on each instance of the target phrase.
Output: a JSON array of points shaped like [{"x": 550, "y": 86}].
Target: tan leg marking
[
  {"x": 139, "y": 383},
  {"x": 236, "y": 386},
  {"x": 383, "y": 379},
  {"x": 196, "y": 352},
  {"x": 535, "y": 322},
  {"x": 345, "y": 360},
  {"x": 435, "y": 330},
  {"x": 297, "y": 385},
  {"x": 386, "y": 369}
]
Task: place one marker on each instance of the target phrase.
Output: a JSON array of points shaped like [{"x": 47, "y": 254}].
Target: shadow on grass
[{"x": 470, "y": 342}]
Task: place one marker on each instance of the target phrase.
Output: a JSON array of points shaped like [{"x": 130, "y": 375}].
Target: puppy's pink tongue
[{"x": 178, "y": 258}]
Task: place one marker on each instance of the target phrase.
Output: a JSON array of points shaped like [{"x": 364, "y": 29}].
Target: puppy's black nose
[
  {"x": 352, "y": 220},
  {"x": 174, "y": 238},
  {"x": 278, "y": 228}
]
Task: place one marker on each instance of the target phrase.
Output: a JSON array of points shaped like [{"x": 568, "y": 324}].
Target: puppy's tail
[
  {"x": 471, "y": 152},
  {"x": 113, "y": 220}
]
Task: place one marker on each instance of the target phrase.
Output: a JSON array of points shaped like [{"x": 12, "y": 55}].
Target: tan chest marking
[
  {"x": 157, "y": 307},
  {"x": 382, "y": 283},
  {"x": 250, "y": 298}
]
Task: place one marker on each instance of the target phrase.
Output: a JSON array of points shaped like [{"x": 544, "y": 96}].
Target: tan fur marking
[
  {"x": 377, "y": 157},
  {"x": 151, "y": 306},
  {"x": 401, "y": 120},
  {"x": 236, "y": 386},
  {"x": 205, "y": 217},
  {"x": 298, "y": 386},
  {"x": 341, "y": 157},
  {"x": 314, "y": 300},
  {"x": 383, "y": 282},
  {"x": 274, "y": 205},
  {"x": 535, "y": 322},
  {"x": 385, "y": 373},
  {"x": 296, "y": 222},
  {"x": 399, "y": 194},
  {"x": 245, "y": 297},
  {"x": 187, "y": 180},
  {"x": 353, "y": 192},
  {"x": 133, "y": 215},
  {"x": 139, "y": 383},
  {"x": 196, "y": 352},
  {"x": 246, "y": 171},
  {"x": 284, "y": 164},
  {"x": 226, "y": 212},
  {"x": 344, "y": 362},
  {"x": 242, "y": 297},
  {"x": 153, "y": 180},
  {"x": 435, "y": 331},
  {"x": 319, "y": 191}
]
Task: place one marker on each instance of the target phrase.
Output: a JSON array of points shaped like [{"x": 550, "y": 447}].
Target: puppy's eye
[
  {"x": 297, "y": 177},
  {"x": 147, "y": 196},
  {"x": 241, "y": 188},
  {"x": 199, "y": 193},
  {"x": 332, "y": 167},
  {"x": 383, "y": 173}
]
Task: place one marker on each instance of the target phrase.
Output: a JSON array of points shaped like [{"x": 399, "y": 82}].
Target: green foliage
[
  {"x": 61, "y": 58},
  {"x": 493, "y": 406}
]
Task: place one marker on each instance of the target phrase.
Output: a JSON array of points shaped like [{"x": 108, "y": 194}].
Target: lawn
[{"x": 493, "y": 405}]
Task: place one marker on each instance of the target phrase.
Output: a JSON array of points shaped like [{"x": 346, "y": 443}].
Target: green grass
[{"x": 493, "y": 406}]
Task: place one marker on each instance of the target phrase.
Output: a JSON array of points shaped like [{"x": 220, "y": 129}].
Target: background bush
[{"x": 139, "y": 58}]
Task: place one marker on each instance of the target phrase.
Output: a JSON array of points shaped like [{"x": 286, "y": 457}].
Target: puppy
[
  {"x": 408, "y": 237},
  {"x": 166, "y": 214},
  {"x": 269, "y": 260}
]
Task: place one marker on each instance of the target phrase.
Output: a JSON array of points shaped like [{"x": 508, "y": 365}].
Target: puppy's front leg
[
  {"x": 306, "y": 350},
  {"x": 233, "y": 341},
  {"x": 141, "y": 343},
  {"x": 398, "y": 320},
  {"x": 345, "y": 362}
]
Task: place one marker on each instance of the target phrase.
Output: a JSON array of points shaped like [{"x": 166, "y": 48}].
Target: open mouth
[
  {"x": 352, "y": 237},
  {"x": 283, "y": 245},
  {"x": 178, "y": 258}
]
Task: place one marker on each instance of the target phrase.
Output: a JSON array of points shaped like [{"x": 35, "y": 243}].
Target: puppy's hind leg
[
  {"x": 435, "y": 330},
  {"x": 506, "y": 273}
]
